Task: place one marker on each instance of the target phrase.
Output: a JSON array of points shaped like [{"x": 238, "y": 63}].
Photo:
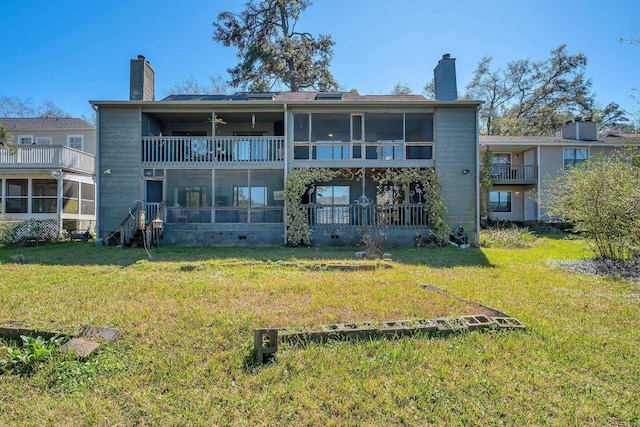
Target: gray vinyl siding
[
  {"x": 119, "y": 151},
  {"x": 456, "y": 150}
]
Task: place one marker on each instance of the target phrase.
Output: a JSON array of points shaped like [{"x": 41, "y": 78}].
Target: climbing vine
[
  {"x": 486, "y": 184},
  {"x": 430, "y": 185},
  {"x": 300, "y": 180}
]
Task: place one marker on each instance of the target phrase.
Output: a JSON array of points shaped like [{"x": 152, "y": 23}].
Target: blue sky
[{"x": 73, "y": 51}]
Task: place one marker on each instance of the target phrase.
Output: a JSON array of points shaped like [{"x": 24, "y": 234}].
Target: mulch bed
[{"x": 628, "y": 270}]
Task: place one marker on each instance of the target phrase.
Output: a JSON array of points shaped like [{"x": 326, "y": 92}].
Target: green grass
[{"x": 187, "y": 318}]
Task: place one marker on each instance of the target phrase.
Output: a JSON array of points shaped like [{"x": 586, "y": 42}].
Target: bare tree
[
  {"x": 13, "y": 106},
  {"x": 401, "y": 89}
]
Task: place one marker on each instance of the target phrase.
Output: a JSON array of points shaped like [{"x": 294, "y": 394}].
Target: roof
[
  {"x": 613, "y": 139},
  {"x": 45, "y": 123},
  {"x": 247, "y": 100},
  {"x": 295, "y": 96}
]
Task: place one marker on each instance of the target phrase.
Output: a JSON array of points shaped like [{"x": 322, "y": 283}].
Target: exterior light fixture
[
  {"x": 107, "y": 172},
  {"x": 466, "y": 171}
]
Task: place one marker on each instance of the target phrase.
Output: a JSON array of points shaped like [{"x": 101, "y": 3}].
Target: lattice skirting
[{"x": 38, "y": 230}]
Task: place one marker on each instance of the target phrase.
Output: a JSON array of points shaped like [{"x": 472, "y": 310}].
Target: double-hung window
[
  {"x": 333, "y": 204},
  {"x": 75, "y": 141},
  {"x": 25, "y": 139},
  {"x": 575, "y": 156}
]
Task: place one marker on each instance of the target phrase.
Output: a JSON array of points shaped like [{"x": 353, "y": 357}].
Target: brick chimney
[
  {"x": 142, "y": 80},
  {"x": 444, "y": 76},
  {"x": 581, "y": 130}
]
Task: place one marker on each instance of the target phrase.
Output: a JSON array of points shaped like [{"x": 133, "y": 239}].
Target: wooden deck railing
[
  {"x": 372, "y": 215},
  {"x": 207, "y": 149},
  {"x": 514, "y": 174},
  {"x": 46, "y": 156}
]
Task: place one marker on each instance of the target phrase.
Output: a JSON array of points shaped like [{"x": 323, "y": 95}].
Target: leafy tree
[
  {"x": 272, "y": 51},
  {"x": 610, "y": 118},
  {"x": 6, "y": 138},
  {"x": 600, "y": 198},
  {"x": 486, "y": 184},
  {"x": 531, "y": 97}
]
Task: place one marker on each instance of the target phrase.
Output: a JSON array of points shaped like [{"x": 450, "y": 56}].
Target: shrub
[
  {"x": 600, "y": 198},
  {"x": 23, "y": 359},
  {"x": 513, "y": 237}
]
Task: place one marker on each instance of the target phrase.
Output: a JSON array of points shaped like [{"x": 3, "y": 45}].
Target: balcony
[
  {"x": 514, "y": 174},
  {"x": 207, "y": 150},
  {"x": 387, "y": 150},
  {"x": 222, "y": 215},
  {"x": 46, "y": 157},
  {"x": 368, "y": 216}
]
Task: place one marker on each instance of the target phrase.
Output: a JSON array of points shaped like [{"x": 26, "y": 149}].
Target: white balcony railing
[
  {"x": 205, "y": 149},
  {"x": 46, "y": 156}
]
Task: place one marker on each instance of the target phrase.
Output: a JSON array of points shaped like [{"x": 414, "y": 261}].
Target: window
[
  {"x": 196, "y": 196},
  {"x": 44, "y": 140},
  {"x": 501, "y": 164},
  {"x": 330, "y": 127},
  {"x": 44, "y": 193},
  {"x": 70, "y": 197},
  {"x": 419, "y": 152},
  {"x": 75, "y": 141},
  {"x": 501, "y": 159},
  {"x": 25, "y": 139},
  {"x": 330, "y": 152},
  {"x": 87, "y": 199},
  {"x": 244, "y": 197},
  {"x": 17, "y": 196},
  {"x": 500, "y": 201},
  {"x": 418, "y": 127},
  {"x": 301, "y": 128},
  {"x": 575, "y": 156},
  {"x": 333, "y": 204},
  {"x": 383, "y": 127}
]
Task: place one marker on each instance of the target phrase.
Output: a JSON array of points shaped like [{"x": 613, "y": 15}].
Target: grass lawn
[{"x": 187, "y": 318}]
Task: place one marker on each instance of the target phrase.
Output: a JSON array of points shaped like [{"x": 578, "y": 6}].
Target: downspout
[
  {"x": 477, "y": 176},
  {"x": 286, "y": 170},
  {"x": 96, "y": 168},
  {"x": 538, "y": 183}
]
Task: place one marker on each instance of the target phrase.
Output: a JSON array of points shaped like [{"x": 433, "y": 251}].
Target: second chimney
[
  {"x": 142, "y": 80},
  {"x": 444, "y": 77}
]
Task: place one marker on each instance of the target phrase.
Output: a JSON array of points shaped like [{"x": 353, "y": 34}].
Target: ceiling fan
[{"x": 219, "y": 121}]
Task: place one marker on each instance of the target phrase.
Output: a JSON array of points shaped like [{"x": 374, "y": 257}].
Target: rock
[{"x": 18, "y": 258}]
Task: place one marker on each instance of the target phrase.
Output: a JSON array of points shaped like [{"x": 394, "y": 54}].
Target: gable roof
[
  {"x": 45, "y": 123},
  {"x": 295, "y": 96},
  {"x": 626, "y": 139}
]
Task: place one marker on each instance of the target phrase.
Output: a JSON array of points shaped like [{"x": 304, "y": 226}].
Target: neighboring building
[
  {"x": 524, "y": 166},
  {"x": 47, "y": 180},
  {"x": 214, "y": 167}
]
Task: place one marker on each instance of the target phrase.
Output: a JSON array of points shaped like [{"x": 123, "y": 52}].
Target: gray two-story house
[{"x": 214, "y": 168}]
